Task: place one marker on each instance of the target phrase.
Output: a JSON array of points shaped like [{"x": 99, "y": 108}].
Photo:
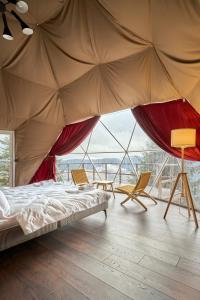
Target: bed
[{"x": 27, "y": 212}]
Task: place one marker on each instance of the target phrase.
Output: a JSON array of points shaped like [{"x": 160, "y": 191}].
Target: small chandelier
[{"x": 21, "y": 7}]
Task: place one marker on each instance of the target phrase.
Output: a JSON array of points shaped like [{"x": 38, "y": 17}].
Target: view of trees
[{"x": 4, "y": 159}]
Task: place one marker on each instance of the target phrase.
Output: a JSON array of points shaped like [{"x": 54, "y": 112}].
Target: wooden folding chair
[
  {"x": 79, "y": 176},
  {"x": 133, "y": 191}
]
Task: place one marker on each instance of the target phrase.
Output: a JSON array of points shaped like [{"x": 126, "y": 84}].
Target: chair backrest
[
  {"x": 79, "y": 176},
  {"x": 142, "y": 181}
]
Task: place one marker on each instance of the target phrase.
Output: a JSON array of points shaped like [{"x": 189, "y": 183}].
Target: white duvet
[{"x": 37, "y": 205}]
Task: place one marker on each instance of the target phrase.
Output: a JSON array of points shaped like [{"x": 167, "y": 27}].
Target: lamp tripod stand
[{"x": 182, "y": 177}]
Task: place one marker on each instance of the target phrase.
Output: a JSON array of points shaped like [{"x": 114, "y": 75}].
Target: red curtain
[
  {"x": 157, "y": 120},
  {"x": 71, "y": 137}
]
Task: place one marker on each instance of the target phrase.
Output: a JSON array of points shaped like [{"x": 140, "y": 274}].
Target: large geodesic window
[{"x": 119, "y": 150}]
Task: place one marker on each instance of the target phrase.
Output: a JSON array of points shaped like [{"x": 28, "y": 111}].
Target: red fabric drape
[
  {"x": 157, "y": 120},
  {"x": 71, "y": 137}
]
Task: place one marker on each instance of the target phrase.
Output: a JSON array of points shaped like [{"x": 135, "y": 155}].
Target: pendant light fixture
[
  {"x": 6, "y": 33},
  {"x": 25, "y": 28},
  {"x": 21, "y": 7}
]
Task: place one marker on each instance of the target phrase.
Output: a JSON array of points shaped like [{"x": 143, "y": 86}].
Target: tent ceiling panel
[
  {"x": 40, "y": 148},
  {"x": 26, "y": 105},
  {"x": 184, "y": 75},
  {"x": 75, "y": 96},
  {"x": 175, "y": 27},
  {"x": 125, "y": 13},
  {"x": 89, "y": 57},
  {"x": 39, "y": 57},
  {"x": 65, "y": 68},
  {"x": 41, "y": 11},
  {"x": 4, "y": 110},
  {"x": 40, "y": 141},
  {"x": 100, "y": 38}
]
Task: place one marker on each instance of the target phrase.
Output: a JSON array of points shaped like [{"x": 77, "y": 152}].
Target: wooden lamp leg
[
  {"x": 172, "y": 194},
  {"x": 190, "y": 200},
  {"x": 185, "y": 194}
]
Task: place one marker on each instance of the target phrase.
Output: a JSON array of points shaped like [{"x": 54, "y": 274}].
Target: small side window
[{"x": 7, "y": 170}]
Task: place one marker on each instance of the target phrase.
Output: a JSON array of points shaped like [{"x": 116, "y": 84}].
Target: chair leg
[
  {"x": 133, "y": 198},
  {"x": 105, "y": 212},
  {"x": 125, "y": 200},
  {"x": 146, "y": 194}
]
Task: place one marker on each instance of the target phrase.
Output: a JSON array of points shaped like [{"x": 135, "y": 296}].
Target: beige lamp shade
[{"x": 183, "y": 138}]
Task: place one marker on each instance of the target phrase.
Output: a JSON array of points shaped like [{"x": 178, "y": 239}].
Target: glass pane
[
  {"x": 5, "y": 159},
  {"x": 121, "y": 125},
  {"x": 148, "y": 161},
  {"x": 140, "y": 141},
  {"x": 64, "y": 165},
  {"x": 127, "y": 172},
  {"x": 167, "y": 178},
  {"x": 85, "y": 142},
  {"x": 78, "y": 150},
  {"x": 193, "y": 170},
  {"x": 103, "y": 141},
  {"x": 104, "y": 164}
]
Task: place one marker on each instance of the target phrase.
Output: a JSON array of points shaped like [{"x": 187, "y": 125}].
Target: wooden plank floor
[{"x": 132, "y": 255}]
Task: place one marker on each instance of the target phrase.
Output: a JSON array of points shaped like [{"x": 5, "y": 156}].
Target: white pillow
[{"x": 4, "y": 205}]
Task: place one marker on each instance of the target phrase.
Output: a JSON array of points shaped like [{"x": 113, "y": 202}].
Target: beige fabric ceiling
[{"x": 89, "y": 57}]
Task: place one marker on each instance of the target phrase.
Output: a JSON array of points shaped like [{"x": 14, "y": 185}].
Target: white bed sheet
[{"x": 24, "y": 199}]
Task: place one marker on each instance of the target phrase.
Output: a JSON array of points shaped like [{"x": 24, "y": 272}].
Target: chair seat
[
  {"x": 126, "y": 188},
  {"x": 103, "y": 181}
]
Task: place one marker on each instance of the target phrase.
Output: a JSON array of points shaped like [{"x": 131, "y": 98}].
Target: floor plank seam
[
  {"x": 164, "y": 252},
  {"x": 57, "y": 253},
  {"x": 131, "y": 277},
  {"x": 178, "y": 261},
  {"x": 139, "y": 281},
  {"x": 173, "y": 279},
  {"x": 53, "y": 292},
  {"x": 170, "y": 252},
  {"x": 141, "y": 259}
]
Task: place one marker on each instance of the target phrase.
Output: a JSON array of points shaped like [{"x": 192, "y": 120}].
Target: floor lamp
[{"x": 183, "y": 138}]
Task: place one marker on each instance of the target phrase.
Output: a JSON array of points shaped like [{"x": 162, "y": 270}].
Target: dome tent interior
[
  {"x": 100, "y": 149},
  {"x": 88, "y": 58}
]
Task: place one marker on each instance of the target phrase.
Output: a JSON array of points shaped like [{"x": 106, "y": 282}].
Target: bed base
[{"x": 14, "y": 236}]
